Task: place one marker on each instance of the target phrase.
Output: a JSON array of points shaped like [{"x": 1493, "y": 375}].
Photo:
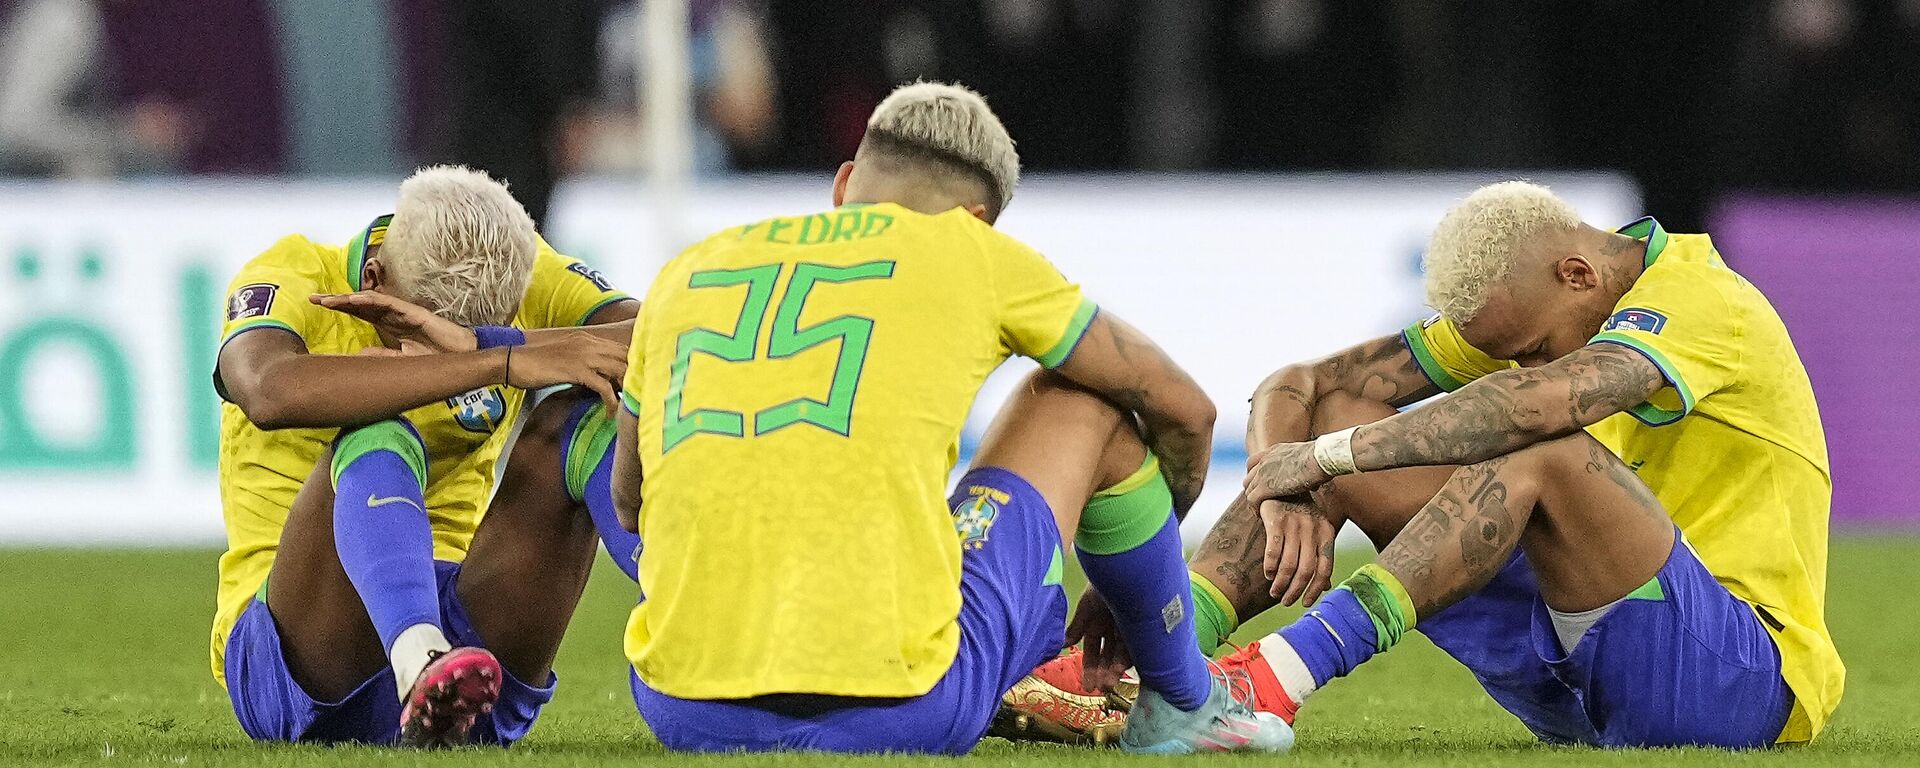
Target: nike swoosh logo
[{"x": 374, "y": 502}]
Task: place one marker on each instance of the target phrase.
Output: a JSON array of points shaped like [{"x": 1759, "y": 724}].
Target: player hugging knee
[
  {"x": 1617, "y": 520},
  {"x": 370, "y": 592},
  {"x": 794, "y": 402}
]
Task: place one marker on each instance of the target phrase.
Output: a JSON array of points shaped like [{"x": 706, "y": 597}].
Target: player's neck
[{"x": 913, "y": 197}]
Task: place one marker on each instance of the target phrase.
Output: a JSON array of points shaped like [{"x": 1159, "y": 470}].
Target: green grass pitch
[{"x": 103, "y": 661}]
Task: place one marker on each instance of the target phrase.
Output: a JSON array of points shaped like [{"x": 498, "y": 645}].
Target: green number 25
[{"x": 786, "y": 339}]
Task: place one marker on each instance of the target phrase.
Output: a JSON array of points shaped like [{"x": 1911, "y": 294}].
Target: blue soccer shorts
[
  {"x": 271, "y": 706},
  {"x": 1013, "y": 615},
  {"x": 1682, "y": 662}
]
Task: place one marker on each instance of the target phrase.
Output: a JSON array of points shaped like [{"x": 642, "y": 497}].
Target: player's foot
[
  {"x": 456, "y": 688},
  {"x": 1267, "y": 693},
  {"x": 1224, "y": 724},
  {"x": 1052, "y": 705}
]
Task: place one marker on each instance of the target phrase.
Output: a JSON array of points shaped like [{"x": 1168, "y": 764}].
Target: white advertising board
[{"x": 110, "y": 300}]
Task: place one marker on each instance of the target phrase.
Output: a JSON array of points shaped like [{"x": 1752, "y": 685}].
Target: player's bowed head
[
  {"x": 1521, "y": 275},
  {"x": 932, "y": 147},
  {"x": 459, "y": 245}
]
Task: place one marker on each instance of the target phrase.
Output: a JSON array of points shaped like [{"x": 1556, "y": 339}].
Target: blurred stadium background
[{"x": 1250, "y": 180}]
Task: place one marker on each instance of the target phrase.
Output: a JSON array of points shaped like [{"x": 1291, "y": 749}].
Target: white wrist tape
[{"x": 1334, "y": 451}]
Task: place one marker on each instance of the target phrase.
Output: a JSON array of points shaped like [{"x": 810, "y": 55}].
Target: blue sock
[
  {"x": 588, "y": 460},
  {"x": 1333, "y": 637},
  {"x": 1129, "y": 545},
  {"x": 380, "y": 526}
]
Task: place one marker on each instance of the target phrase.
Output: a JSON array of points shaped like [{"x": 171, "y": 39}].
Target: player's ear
[
  {"x": 1577, "y": 273},
  {"x": 840, "y": 183},
  {"x": 373, "y": 275}
]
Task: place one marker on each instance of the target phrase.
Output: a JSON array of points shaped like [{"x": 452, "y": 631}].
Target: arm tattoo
[
  {"x": 1509, "y": 410},
  {"x": 1383, "y": 370},
  {"x": 1183, "y": 454}
]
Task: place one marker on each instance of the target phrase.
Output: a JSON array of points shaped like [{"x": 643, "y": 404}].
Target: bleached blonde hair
[
  {"x": 1472, "y": 249},
  {"x": 949, "y": 125},
  {"x": 460, "y": 245}
]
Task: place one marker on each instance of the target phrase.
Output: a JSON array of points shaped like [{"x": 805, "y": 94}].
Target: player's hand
[
  {"x": 572, "y": 356},
  {"x": 1299, "y": 555},
  {"x": 1106, "y": 656},
  {"x": 417, "y": 330},
  {"x": 1284, "y": 470}
]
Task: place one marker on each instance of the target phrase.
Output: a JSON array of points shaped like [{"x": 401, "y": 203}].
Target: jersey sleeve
[
  {"x": 271, "y": 292},
  {"x": 1042, "y": 316},
  {"x": 1446, "y": 357},
  {"x": 1679, "y": 318},
  {"x": 565, "y": 292}
]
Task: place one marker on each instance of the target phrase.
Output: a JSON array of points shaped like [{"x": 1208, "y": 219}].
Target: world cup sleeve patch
[
  {"x": 592, "y": 275},
  {"x": 1635, "y": 319},
  {"x": 251, "y": 301}
]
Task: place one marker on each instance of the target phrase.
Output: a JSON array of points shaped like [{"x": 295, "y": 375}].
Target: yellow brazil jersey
[
  {"x": 260, "y": 471},
  {"x": 1733, "y": 447},
  {"x": 800, "y": 384}
]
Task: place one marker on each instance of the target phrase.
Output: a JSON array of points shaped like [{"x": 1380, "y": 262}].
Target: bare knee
[{"x": 547, "y": 424}]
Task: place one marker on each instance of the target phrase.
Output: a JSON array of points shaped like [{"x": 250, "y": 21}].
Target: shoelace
[{"x": 1239, "y": 688}]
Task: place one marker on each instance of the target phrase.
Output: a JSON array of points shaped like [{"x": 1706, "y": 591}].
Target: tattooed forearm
[
  {"x": 1175, "y": 415},
  {"x": 1506, "y": 411}
]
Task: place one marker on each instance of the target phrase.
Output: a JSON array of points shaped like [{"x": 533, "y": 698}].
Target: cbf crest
[
  {"x": 480, "y": 410},
  {"x": 973, "y": 517}
]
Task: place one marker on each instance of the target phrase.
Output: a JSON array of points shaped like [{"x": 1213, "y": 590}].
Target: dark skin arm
[
  {"x": 1493, "y": 416},
  {"x": 412, "y": 324},
  {"x": 1122, "y": 364},
  {"x": 270, "y": 375},
  {"x": 626, "y": 472}
]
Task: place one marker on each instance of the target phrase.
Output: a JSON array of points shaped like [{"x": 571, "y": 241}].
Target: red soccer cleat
[
  {"x": 1051, "y": 705},
  {"x": 455, "y": 689},
  {"x": 1267, "y": 695}
]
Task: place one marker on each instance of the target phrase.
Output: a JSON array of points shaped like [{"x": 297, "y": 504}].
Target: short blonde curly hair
[
  {"x": 1471, "y": 251},
  {"x": 459, "y": 244},
  {"x": 948, "y": 125}
]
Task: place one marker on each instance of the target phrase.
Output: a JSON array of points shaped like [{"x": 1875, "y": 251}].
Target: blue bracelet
[{"x": 490, "y": 336}]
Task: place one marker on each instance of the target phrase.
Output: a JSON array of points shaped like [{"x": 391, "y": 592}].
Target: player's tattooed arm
[
  {"x": 1504, "y": 412},
  {"x": 1493, "y": 416},
  {"x": 626, "y": 472},
  {"x": 1176, "y": 417},
  {"x": 1383, "y": 370}
]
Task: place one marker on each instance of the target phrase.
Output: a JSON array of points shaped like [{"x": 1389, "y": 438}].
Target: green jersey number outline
[{"x": 786, "y": 340}]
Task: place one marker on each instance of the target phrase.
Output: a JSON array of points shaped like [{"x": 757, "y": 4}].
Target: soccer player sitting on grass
[
  {"x": 795, "y": 397},
  {"x": 1617, "y": 519},
  {"x": 354, "y": 477}
]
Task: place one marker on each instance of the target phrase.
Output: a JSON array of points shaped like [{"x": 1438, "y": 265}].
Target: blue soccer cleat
[{"x": 1224, "y": 724}]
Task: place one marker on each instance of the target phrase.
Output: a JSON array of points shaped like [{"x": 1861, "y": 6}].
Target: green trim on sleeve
[
  {"x": 1648, "y": 413},
  {"x": 607, "y": 302},
  {"x": 592, "y": 435},
  {"x": 1070, "y": 338},
  {"x": 1429, "y": 365},
  {"x": 631, "y": 403},
  {"x": 394, "y": 435},
  {"x": 256, "y": 323}
]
